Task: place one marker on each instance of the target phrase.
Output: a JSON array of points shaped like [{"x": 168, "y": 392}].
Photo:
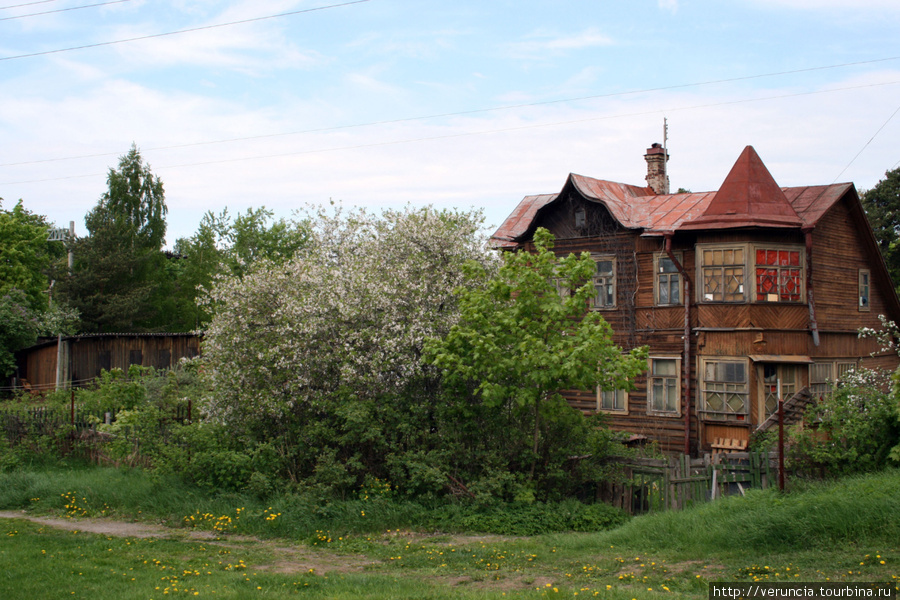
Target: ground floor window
[
  {"x": 724, "y": 389},
  {"x": 823, "y": 376},
  {"x": 612, "y": 401}
]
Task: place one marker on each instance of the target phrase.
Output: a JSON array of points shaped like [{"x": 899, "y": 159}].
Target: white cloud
[
  {"x": 669, "y": 5},
  {"x": 539, "y": 44},
  {"x": 855, "y": 5}
]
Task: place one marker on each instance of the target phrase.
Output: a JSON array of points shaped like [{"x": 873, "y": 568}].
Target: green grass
[{"x": 842, "y": 532}]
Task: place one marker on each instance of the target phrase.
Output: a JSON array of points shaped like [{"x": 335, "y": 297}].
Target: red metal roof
[{"x": 749, "y": 197}]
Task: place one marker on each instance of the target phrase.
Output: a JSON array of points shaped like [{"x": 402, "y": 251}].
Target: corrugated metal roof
[{"x": 749, "y": 197}]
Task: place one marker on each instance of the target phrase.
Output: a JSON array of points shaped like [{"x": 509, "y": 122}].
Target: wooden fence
[
  {"x": 20, "y": 423},
  {"x": 655, "y": 484}
]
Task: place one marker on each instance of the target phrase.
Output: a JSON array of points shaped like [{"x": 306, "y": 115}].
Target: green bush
[{"x": 849, "y": 431}]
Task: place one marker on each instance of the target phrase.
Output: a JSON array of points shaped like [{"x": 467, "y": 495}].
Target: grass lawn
[{"x": 846, "y": 532}]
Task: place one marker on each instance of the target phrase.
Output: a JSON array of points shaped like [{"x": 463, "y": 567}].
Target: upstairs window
[
  {"x": 668, "y": 281},
  {"x": 722, "y": 272},
  {"x": 604, "y": 282},
  {"x": 770, "y": 273},
  {"x": 864, "y": 286},
  {"x": 778, "y": 275}
]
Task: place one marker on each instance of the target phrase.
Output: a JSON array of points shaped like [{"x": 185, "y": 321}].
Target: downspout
[
  {"x": 686, "y": 363},
  {"x": 813, "y": 324}
]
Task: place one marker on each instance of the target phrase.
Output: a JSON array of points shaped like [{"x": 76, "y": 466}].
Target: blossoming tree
[{"x": 321, "y": 357}]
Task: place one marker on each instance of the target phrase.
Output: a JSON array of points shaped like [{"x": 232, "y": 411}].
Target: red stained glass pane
[
  {"x": 795, "y": 259},
  {"x": 761, "y": 257}
]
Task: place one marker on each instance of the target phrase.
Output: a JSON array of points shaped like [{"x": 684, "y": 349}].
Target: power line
[
  {"x": 180, "y": 31},
  {"x": 866, "y": 145},
  {"x": 474, "y": 133},
  {"x": 59, "y": 10},
  {"x": 26, "y": 4},
  {"x": 464, "y": 112}
]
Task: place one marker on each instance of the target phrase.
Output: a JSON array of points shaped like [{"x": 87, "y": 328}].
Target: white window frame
[{"x": 651, "y": 378}]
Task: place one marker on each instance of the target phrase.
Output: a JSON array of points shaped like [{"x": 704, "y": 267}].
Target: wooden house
[
  {"x": 742, "y": 295},
  {"x": 82, "y": 357}
]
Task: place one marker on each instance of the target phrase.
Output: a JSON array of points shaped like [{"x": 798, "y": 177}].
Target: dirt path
[
  {"x": 285, "y": 558},
  {"x": 109, "y": 527}
]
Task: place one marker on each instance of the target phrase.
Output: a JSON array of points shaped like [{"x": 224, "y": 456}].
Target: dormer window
[{"x": 579, "y": 218}]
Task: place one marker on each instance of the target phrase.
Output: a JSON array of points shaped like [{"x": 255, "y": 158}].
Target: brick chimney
[{"x": 656, "y": 158}]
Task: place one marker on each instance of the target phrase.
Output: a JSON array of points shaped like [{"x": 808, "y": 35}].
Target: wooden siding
[
  {"x": 86, "y": 355},
  {"x": 734, "y": 330},
  {"x": 838, "y": 255}
]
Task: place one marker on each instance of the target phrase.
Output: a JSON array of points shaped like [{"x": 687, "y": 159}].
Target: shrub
[{"x": 851, "y": 430}]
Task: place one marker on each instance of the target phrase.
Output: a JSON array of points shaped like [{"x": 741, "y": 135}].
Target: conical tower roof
[{"x": 749, "y": 197}]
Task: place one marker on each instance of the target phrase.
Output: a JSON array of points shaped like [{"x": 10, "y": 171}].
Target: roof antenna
[{"x": 666, "y": 153}]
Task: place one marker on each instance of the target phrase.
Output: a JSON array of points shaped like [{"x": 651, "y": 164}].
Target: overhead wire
[
  {"x": 182, "y": 31},
  {"x": 59, "y": 10},
  {"x": 866, "y": 145},
  {"x": 474, "y": 133},
  {"x": 464, "y": 112},
  {"x": 27, "y": 4}
]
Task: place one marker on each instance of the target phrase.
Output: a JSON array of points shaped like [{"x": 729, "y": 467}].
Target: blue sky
[{"x": 381, "y": 103}]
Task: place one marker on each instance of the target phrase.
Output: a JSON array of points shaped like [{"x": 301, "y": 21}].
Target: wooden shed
[{"x": 83, "y": 357}]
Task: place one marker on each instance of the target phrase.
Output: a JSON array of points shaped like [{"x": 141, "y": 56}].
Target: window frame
[
  {"x": 800, "y": 266},
  {"x": 702, "y": 269},
  {"x": 818, "y": 387},
  {"x": 703, "y": 385},
  {"x": 613, "y": 411},
  {"x": 596, "y": 280},
  {"x": 650, "y": 385},
  {"x": 658, "y": 274},
  {"x": 749, "y": 282},
  {"x": 867, "y": 305}
]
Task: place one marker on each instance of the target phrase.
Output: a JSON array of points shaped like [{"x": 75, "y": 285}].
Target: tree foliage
[
  {"x": 854, "y": 428},
  {"x": 18, "y": 327},
  {"x": 118, "y": 280},
  {"x": 882, "y": 206},
  {"x": 224, "y": 245},
  {"x": 134, "y": 204},
  {"x": 321, "y": 356},
  {"x": 26, "y": 256},
  {"x": 526, "y": 333}
]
